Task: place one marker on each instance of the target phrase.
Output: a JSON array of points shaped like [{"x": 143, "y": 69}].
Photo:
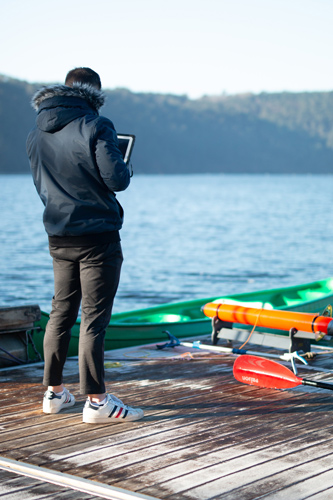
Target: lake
[{"x": 184, "y": 237}]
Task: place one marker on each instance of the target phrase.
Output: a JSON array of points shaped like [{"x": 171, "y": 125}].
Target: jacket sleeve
[{"x": 110, "y": 163}]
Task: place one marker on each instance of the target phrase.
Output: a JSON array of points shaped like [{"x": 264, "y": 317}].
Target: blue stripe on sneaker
[
  {"x": 113, "y": 411},
  {"x": 52, "y": 395},
  {"x": 125, "y": 414}
]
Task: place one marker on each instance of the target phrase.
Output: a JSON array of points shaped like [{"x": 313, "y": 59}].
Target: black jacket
[{"x": 75, "y": 162}]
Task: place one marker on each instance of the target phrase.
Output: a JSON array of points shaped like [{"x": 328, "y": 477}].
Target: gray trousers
[{"x": 90, "y": 276}]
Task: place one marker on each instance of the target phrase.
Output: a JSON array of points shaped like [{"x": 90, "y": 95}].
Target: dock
[{"x": 204, "y": 435}]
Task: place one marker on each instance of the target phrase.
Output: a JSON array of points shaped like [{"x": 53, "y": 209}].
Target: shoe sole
[{"x": 107, "y": 420}]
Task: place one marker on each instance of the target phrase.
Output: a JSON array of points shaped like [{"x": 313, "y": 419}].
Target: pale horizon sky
[{"x": 179, "y": 47}]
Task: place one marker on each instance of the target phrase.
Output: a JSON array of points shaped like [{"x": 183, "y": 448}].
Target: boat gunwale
[{"x": 171, "y": 305}]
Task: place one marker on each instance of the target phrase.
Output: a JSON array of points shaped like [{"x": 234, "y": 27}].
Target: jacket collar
[{"x": 93, "y": 96}]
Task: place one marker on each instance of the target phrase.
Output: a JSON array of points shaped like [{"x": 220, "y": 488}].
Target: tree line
[{"x": 249, "y": 133}]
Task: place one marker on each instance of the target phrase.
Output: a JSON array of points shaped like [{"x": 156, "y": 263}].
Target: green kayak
[{"x": 185, "y": 319}]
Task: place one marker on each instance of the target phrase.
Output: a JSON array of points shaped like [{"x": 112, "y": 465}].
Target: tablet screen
[{"x": 126, "y": 143}]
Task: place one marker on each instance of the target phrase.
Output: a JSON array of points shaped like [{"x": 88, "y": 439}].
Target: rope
[{"x": 254, "y": 326}]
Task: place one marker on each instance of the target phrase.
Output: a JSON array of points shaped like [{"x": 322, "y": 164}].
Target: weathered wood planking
[
  {"x": 204, "y": 434},
  {"x": 19, "y": 317},
  {"x": 14, "y": 486}
]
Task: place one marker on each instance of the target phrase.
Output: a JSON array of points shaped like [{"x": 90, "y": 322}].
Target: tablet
[{"x": 126, "y": 143}]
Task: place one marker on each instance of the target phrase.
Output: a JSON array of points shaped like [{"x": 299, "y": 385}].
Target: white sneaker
[
  {"x": 114, "y": 411},
  {"x": 53, "y": 403}
]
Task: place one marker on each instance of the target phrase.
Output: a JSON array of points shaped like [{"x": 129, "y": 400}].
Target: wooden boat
[{"x": 186, "y": 319}]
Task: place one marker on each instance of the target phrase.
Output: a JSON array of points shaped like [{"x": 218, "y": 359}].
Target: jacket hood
[{"x": 58, "y": 105}]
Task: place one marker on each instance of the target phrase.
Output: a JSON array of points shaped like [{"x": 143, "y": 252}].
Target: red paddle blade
[{"x": 263, "y": 372}]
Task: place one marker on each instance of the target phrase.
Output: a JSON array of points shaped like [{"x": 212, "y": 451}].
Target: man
[{"x": 77, "y": 167}]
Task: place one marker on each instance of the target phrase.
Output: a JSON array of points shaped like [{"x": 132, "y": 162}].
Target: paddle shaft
[{"x": 313, "y": 383}]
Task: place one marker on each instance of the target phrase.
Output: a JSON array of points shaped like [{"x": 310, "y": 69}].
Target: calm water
[{"x": 184, "y": 237}]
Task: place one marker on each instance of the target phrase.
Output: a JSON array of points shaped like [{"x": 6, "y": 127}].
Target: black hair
[{"x": 83, "y": 75}]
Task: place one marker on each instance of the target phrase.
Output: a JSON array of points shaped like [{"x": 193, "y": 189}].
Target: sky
[{"x": 183, "y": 47}]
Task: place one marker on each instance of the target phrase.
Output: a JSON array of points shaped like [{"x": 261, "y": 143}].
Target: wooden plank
[
  {"x": 231, "y": 451},
  {"x": 87, "y": 434},
  {"x": 70, "y": 495},
  {"x": 204, "y": 434},
  {"x": 245, "y": 389},
  {"x": 159, "y": 461},
  {"x": 149, "y": 397},
  {"x": 19, "y": 317},
  {"x": 223, "y": 400},
  {"x": 236, "y": 473},
  {"x": 322, "y": 495},
  {"x": 272, "y": 477},
  {"x": 25, "y": 487},
  {"x": 45, "y": 476},
  {"x": 186, "y": 416},
  {"x": 17, "y": 486},
  {"x": 300, "y": 482},
  {"x": 97, "y": 446}
]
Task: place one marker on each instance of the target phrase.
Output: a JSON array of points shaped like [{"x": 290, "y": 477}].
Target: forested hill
[{"x": 265, "y": 133}]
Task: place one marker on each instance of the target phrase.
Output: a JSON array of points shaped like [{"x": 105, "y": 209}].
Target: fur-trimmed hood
[
  {"x": 95, "y": 97},
  {"x": 59, "y": 105}
]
